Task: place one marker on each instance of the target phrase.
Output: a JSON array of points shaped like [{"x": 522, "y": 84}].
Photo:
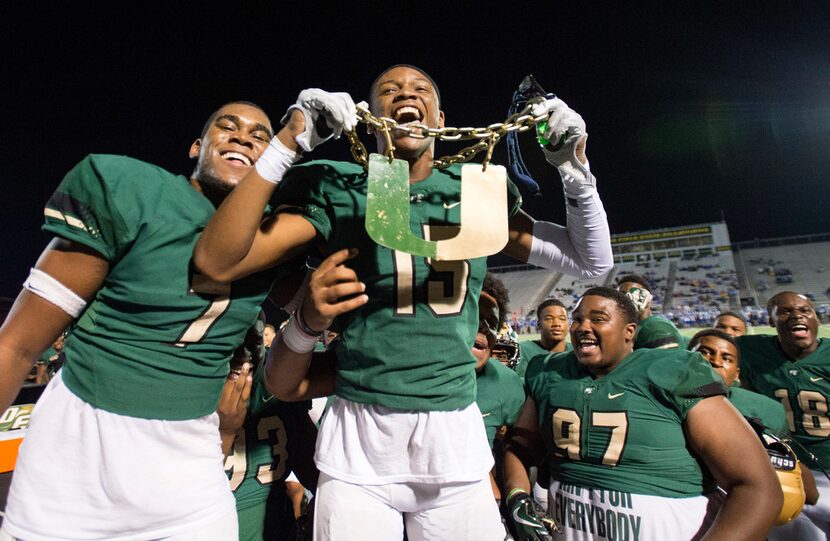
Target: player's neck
[
  {"x": 214, "y": 194},
  {"x": 795, "y": 353},
  {"x": 419, "y": 159},
  {"x": 420, "y": 167},
  {"x": 552, "y": 345}
]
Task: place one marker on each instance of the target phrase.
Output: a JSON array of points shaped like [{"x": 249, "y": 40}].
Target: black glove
[{"x": 527, "y": 520}]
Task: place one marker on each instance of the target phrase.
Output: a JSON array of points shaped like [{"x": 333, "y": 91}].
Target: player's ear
[
  {"x": 440, "y": 118},
  {"x": 630, "y": 331},
  {"x": 195, "y": 148}
]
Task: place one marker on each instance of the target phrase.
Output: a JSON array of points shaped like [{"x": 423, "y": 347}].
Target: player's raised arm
[
  {"x": 333, "y": 289},
  {"x": 64, "y": 279},
  {"x": 236, "y": 242},
  {"x": 583, "y": 248},
  {"x": 718, "y": 433}
]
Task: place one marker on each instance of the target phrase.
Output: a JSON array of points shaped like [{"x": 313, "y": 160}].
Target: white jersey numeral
[
  {"x": 269, "y": 429},
  {"x": 567, "y": 426},
  {"x": 813, "y": 405},
  {"x": 783, "y": 396},
  {"x": 202, "y": 285},
  {"x": 446, "y": 294},
  {"x": 272, "y": 428}
]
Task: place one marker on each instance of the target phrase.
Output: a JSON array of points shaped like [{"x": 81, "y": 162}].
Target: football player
[
  {"x": 720, "y": 349},
  {"x": 624, "y": 431},
  {"x": 793, "y": 367},
  {"x": 653, "y": 331},
  {"x": 731, "y": 323},
  {"x": 499, "y": 391},
  {"x": 267, "y": 440},
  {"x": 133, "y": 411},
  {"x": 553, "y": 331},
  {"x": 404, "y": 423}
]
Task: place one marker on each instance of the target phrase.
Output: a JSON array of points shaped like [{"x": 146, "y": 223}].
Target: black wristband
[{"x": 301, "y": 323}]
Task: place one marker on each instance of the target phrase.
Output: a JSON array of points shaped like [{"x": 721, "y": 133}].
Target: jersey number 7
[{"x": 202, "y": 285}]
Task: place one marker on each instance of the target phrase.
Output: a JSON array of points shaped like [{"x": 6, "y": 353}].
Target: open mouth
[
  {"x": 236, "y": 159},
  {"x": 407, "y": 115},
  {"x": 587, "y": 345},
  {"x": 800, "y": 331}
]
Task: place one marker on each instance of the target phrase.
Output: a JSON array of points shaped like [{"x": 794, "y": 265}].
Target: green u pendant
[{"x": 483, "y": 230}]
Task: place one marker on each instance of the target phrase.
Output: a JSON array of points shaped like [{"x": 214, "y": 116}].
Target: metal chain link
[{"x": 486, "y": 137}]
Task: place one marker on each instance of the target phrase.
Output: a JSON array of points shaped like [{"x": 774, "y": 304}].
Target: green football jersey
[
  {"x": 623, "y": 431},
  {"x": 500, "y": 397},
  {"x": 260, "y": 460},
  {"x": 410, "y": 346},
  {"x": 764, "y": 409},
  {"x": 156, "y": 339},
  {"x": 658, "y": 333},
  {"x": 802, "y": 387},
  {"x": 530, "y": 349}
]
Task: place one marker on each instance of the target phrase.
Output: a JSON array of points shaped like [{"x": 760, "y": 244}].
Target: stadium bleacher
[
  {"x": 694, "y": 273},
  {"x": 802, "y": 267}
]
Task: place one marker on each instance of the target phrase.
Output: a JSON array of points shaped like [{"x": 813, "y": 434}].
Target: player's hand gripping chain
[
  {"x": 568, "y": 128},
  {"x": 326, "y": 115},
  {"x": 526, "y": 518},
  {"x": 557, "y": 115}
]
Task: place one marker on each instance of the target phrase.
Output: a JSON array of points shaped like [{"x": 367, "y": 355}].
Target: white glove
[
  {"x": 337, "y": 109},
  {"x": 564, "y": 123}
]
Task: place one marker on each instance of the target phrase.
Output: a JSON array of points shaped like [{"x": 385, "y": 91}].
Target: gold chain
[{"x": 486, "y": 137}]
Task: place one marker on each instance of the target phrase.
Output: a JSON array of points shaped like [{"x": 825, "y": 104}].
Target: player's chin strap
[{"x": 527, "y": 89}]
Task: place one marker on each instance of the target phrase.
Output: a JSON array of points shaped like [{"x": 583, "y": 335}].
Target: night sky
[{"x": 693, "y": 113}]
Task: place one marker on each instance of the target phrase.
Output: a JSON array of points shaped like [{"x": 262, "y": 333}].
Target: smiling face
[
  {"x": 796, "y": 323},
  {"x": 233, "y": 141},
  {"x": 488, "y": 324},
  {"x": 600, "y": 335},
  {"x": 722, "y": 355},
  {"x": 553, "y": 326},
  {"x": 409, "y": 97}
]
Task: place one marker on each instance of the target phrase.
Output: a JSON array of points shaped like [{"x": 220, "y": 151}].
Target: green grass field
[{"x": 823, "y": 332}]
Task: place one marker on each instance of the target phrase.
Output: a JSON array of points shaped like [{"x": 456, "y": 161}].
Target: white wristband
[
  {"x": 275, "y": 161},
  {"x": 49, "y": 289},
  {"x": 295, "y": 339}
]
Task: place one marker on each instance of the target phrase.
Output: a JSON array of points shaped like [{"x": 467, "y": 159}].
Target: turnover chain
[{"x": 486, "y": 138}]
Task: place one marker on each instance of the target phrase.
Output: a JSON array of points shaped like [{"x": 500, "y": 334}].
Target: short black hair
[
  {"x": 636, "y": 278},
  {"x": 731, "y": 314},
  {"x": 624, "y": 304},
  {"x": 772, "y": 304},
  {"x": 717, "y": 333},
  {"x": 213, "y": 115},
  {"x": 416, "y": 68},
  {"x": 495, "y": 288},
  {"x": 549, "y": 302}
]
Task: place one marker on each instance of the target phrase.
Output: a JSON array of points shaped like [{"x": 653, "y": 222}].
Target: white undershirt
[
  {"x": 374, "y": 445},
  {"x": 85, "y": 473}
]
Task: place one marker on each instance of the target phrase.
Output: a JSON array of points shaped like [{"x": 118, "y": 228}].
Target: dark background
[{"x": 695, "y": 113}]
